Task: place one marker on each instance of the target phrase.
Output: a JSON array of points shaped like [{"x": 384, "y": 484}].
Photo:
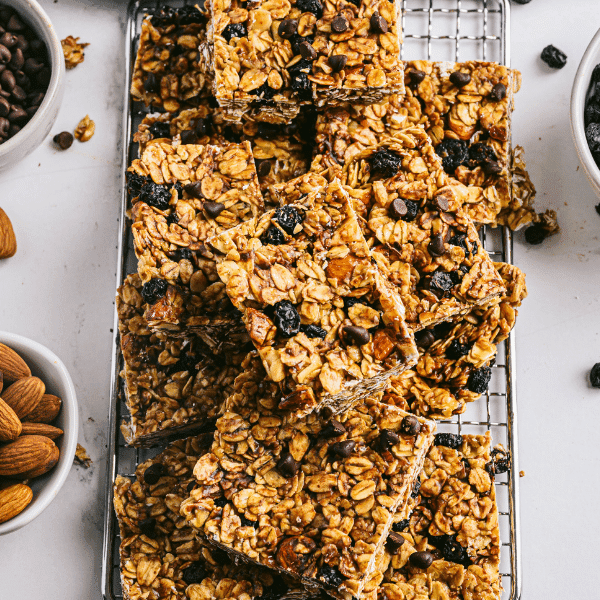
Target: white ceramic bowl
[
  {"x": 579, "y": 94},
  {"x": 50, "y": 369},
  {"x": 38, "y": 127}
]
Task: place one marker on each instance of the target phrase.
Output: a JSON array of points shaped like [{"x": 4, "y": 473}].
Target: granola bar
[
  {"x": 160, "y": 557},
  {"x": 328, "y": 327},
  {"x": 169, "y": 71},
  {"x": 425, "y": 242},
  {"x": 173, "y": 386},
  {"x": 455, "y": 358},
  {"x": 312, "y": 498},
  {"x": 182, "y": 194},
  {"x": 272, "y": 57},
  {"x": 450, "y": 546}
]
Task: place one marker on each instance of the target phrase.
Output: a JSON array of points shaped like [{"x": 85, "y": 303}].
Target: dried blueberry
[
  {"x": 455, "y": 350},
  {"x": 313, "y": 331},
  {"x": 220, "y": 502},
  {"x": 453, "y": 154},
  {"x": 592, "y": 134},
  {"x": 165, "y": 16},
  {"x": 441, "y": 281},
  {"x": 459, "y": 240},
  {"x": 135, "y": 183},
  {"x": 289, "y": 218},
  {"x": 265, "y": 92},
  {"x": 286, "y": 318},
  {"x": 273, "y": 235},
  {"x": 189, "y": 14},
  {"x": 451, "y": 440},
  {"x": 278, "y": 589},
  {"x": 155, "y": 195},
  {"x": 553, "y": 57},
  {"x": 158, "y": 129},
  {"x": 595, "y": 376},
  {"x": 480, "y": 153},
  {"x": 351, "y": 301},
  {"x": 416, "y": 489},
  {"x": 297, "y": 42},
  {"x": 247, "y": 522},
  {"x": 452, "y": 550},
  {"x": 535, "y": 234},
  {"x": 147, "y": 527},
  {"x": 479, "y": 380},
  {"x": 153, "y": 473},
  {"x": 401, "y": 525},
  {"x": 592, "y": 113},
  {"x": 385, "y": 162},
  {"x": 299, "y": 78},
  {"x": 311, "y": 6},
  {"x": 237, "y": 30},
  {"x": 172, "y": 219},
  {"x": 330, "y": 576},
  {"x": 501, "y": 461},
  {"x": 195, "y": 573},
  {"x": 153, "y": 290}
]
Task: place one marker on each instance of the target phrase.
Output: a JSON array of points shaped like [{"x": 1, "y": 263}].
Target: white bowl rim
[
  {"x": 56, "y": 57},
  {"x": 62, "y": 470},
  {"x": 581, "y": 84}
]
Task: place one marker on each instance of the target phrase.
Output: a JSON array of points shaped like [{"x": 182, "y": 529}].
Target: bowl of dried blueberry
[
  {"x": 32, "y": 72},
  {"x": 585, "y": 112}
]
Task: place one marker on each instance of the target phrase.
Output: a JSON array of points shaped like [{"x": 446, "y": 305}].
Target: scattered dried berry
[
  {"x": 234, "y": 30},
  {"x": 311, "y": 6},
  {"x": 153, "y": 473},
  {"x": 189, "y": 14},
  {"x": 195, "y": 573},
  {"x": 299, "y": 78},
  {"x": 288, "y": 217},
  {"x": 451, "y": 440},
  {"x": 135, "y": 183},
  {"x": 592, "y": 135},
  {"x": 265, "y": 93},
  {"x": 455, "y": 350},
  {"x": 313, "y": 331},
  {"x": 165, "y": 16},
  {"x": 331, "y": 576},
  {"x": 158, "y": 129},
  {"x": 480, "y": 153},
  {"x": 385, "y": 162},
  {"x": 452, "y": 550},
  {"x": 278, "y": 589},
  {"x": 479, "y": 380},
  {"x": 273, "y": 235},
  {"x": 401, "y": 525},
  {"x": 453, "y": 154},
  {"x": 153, "y": 290},
  {"x": 441, "y": 281},
  {"x": 553, "y": 57},
  {"x": 535, "y": 234},
  {"x": 351, "y": 301},
  {"x": 595, "y": 376},
  {"x": 63, "y": 140},
  {"x": 286, "y": 318},
  {"x": 416, "y": 489},
  {"x": 155, "y": 195}
]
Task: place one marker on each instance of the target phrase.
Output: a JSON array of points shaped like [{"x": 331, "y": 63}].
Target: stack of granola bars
[{"x": 311, "y": 296}]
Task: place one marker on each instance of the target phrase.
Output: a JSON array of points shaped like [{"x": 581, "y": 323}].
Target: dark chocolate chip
[
  {"x": 378, "y": 23},
  {"x": 460, "y": 79},
  {"x": 421, "y": 560},
  {"x": 595, "y": 376},
  {"x": 337, "y": 61},
  {"x": 424, "y": 338},
  {"x": 498, "y": 92},
  {"x": 416, "y": 76},
  {"x": 343, "y": 449},
  {"x": 194, "y": 189},
  {"x": 287, "y": 28},
  {"x": 307, "y": 51},
  {"x": 397, "y": 209},
  {"x": 394, "y": 542},
  {"x": 153, "y": 473},
  {"x": 360, "y": 335},
  {"x": 491, "y": 167},
  {"x": 63, "y": 140},
  {"x": 287, "y": 466},
  {"x": 332, "y": 429},
  {"x": 213, "y": 209},
  {"x": 263, "y": 167},
  {"x": 436, "y": 246},
  {"x": 410, "y": 425},
  {"x": 339, "y": 24},
  {"x": 387, "y": 439},
  {"x": 442, "y": 202}
]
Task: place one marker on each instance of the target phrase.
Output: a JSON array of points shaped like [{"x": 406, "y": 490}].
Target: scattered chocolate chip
[
  {"x": 535, "y": 234},
  {"x": 287, "y": 28},
  {"x": 287, "y": 466},
  {"x": 553, "y": 57},
  {"x": 263, "y": 167},
  {"x": 491, "y": 167},
  {"x": 337, "y": 61},
  {"x": 436, "y": 246},
  {"x": 153, "y": 473},
  {"x": 397, "y": 209},
  {"x": 307, "y": 51},
  {"x": 442, "y": 202},
  {"x": 410, "y": 425},
  {"x": 416, "y": 76},
  {"x": 394, "y": 542},
  {"x": 343, "y": 449},
  {"x": 498, "y": 92},
  {"x": 460, "y": 79},
  {"x": 339, "y": 24},
  {"x": 213, "y": 209},
  {"x": 332, "y": 429},
  {"x": 387, "y": 439},
  {"x": 595, "y": 376},
  {"x": 378, "y": 23},
  {"x": 63, "y": 140},
  {"x": 421, "y": 560},
  {"x": 194, "y": 189},
  {"x": 424, "y": 338},
  {"x": 360, "y": 335}
]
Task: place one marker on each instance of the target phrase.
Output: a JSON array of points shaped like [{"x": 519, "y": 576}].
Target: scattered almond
[
  {"x": 8, "y": 241},
  {"x": 13, "y": 367},
  {"x": 44, "y": 429},
  {"x": 13, "y": 500},
  {"x": 46, "y": 411},
  {"x": 24, "y": 395}
]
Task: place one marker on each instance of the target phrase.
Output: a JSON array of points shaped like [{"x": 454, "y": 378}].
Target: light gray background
[{"x": 60, "y": 286}]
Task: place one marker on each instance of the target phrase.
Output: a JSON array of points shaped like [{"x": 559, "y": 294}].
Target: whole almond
[
  {"x": 26, "y": 453},
  {"x": 13, "y": 500},
  {"x": 46, "y": 411},
  {"x": 10, "y": 426},
  {"x": 24, "y": 395},
  {"x": 13, "y": 367},
  {"x": 50, "y": 463},
  {"x": 44, "y": 429},
  {"x": 8, "y": 241},
  {"x": 1, "y": 380}
]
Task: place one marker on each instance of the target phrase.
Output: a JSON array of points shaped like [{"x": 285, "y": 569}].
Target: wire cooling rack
[{"x": 452, "y": 30}]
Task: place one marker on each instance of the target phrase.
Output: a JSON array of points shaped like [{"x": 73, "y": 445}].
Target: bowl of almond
[{"x": 38, "y": 429}]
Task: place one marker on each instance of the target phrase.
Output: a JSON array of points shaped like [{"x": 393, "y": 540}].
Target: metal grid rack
[{"x": 451, "y": 30}]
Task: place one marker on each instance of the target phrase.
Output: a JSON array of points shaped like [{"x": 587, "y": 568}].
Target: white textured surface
[{"x": 59, "y": 290}]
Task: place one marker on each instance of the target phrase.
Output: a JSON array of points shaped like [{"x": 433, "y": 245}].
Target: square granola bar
[
  {"x": 328, "y": 327},
  {"x": 313, "y": 498},
  {"x": 160, "y": 556},
  {"x": 425, "y": 242},
  {"x": 272, "y": 57},
  {"x": 455, "y": 358},
  {"x": 169, "y": 71},
  {"x": 181, "y": 195},
  {"x": 450, "y": 546},
  {"x": 173, "y": 386}
]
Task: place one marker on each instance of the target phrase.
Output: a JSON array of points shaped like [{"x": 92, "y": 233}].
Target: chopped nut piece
[
  {"x": 73, "y": 51},
  {"x": 85, "y": 129},
  {"x": 81, "y": 457}
]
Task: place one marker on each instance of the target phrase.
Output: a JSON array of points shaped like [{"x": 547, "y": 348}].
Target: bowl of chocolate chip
[{"x": 32, "y": 72}]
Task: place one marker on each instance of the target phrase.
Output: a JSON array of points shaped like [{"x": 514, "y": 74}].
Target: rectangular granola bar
[
  {"x": 160, "y": 556},
  {"x": 424, "y": 241},
  {"x": 313, "y": 498},
  {"x": 273, "y": 57},
  {"x": 182, "y": 194},
  {"x": 455, "y": 358},
  {"x": 329, "y": 328},
  {"x": 450, "y": 546},
  {"x": 169, "y": 71},
  {"x": 173, "y": 386}
]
